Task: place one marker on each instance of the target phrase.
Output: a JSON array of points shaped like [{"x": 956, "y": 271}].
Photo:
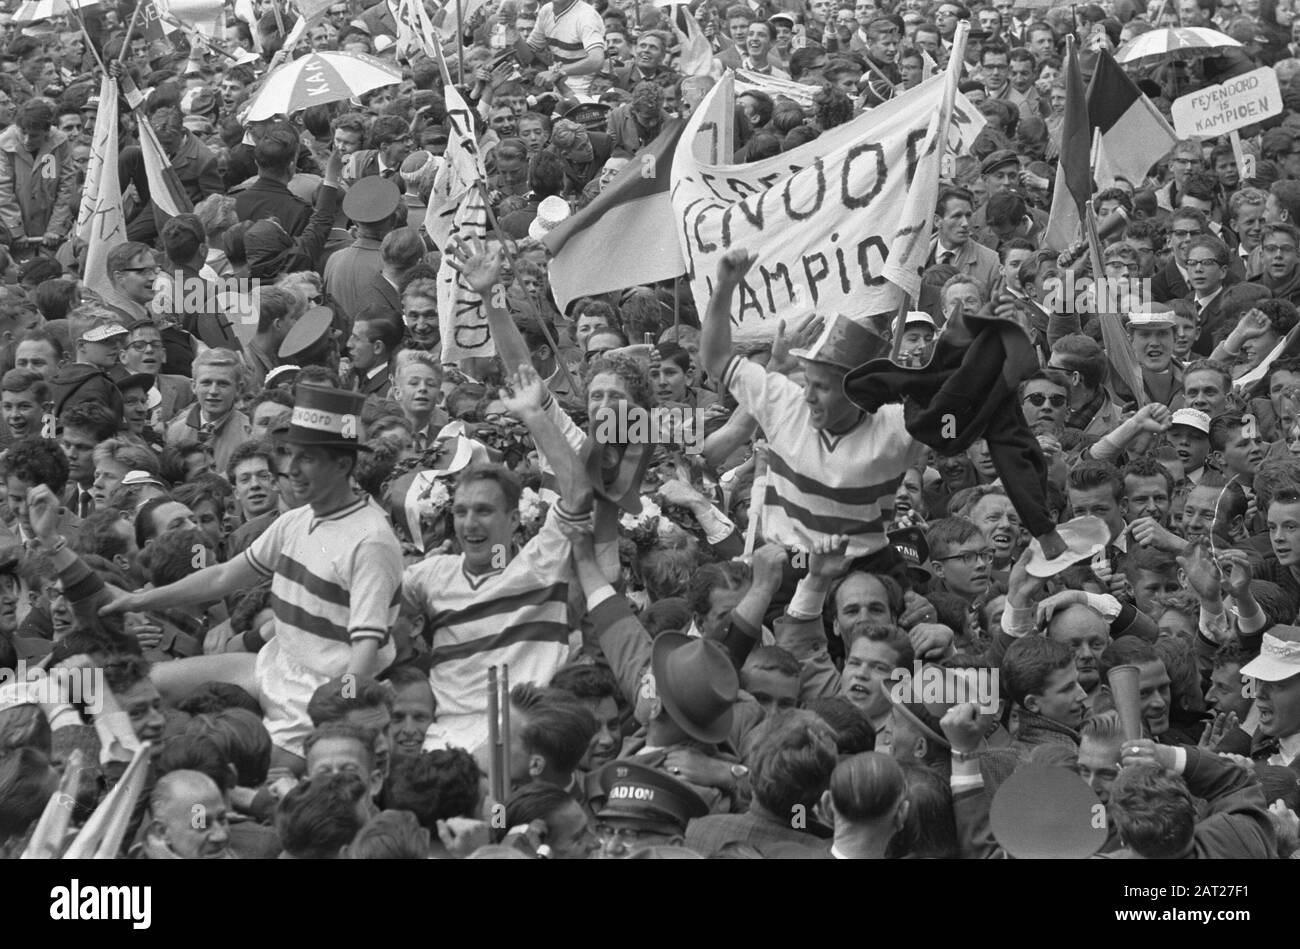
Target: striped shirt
[
  {"x": 335, "y": 580},
  {"x": 570, "y": 37},
  {"x": 517, "y": 615},
  {"x": 820, "y": 484}
]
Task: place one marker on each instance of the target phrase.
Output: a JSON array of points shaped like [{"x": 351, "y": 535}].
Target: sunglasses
[{"x": 1036, "y": 399}]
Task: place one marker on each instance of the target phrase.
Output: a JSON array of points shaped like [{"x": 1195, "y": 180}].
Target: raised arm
[
  {"x": 524, "y": 399},
  {"x": 715, "y": 337}
]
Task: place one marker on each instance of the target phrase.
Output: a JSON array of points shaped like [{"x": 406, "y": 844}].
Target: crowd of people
[{"x": 260, "y": 540}]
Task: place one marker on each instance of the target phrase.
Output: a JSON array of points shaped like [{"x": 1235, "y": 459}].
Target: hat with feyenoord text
[{"x": 325, "y": 416}]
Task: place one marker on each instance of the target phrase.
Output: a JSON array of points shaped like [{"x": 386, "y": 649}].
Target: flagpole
[
  {"x": 958, "y": 56},
  {"x": 90, "y": 45},
  {"x": 677, "y": 310},
  {"x": 126, "y": 43},
  {"x": 460, "y": 32}
]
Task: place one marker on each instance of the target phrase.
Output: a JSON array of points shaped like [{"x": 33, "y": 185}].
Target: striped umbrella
[
  {"x": 1177, "y": 42},
  {"x": 317, "y": 79},
  {"x": 33, "y": 11}
]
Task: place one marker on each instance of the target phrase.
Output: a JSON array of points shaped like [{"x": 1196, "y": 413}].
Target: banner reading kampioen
[{"x": 821, "y": 219}]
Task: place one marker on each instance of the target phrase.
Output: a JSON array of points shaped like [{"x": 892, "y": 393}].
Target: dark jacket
[
  {"x": 80, "y": 382},
  {"x": 968, "y": 392},
  {"x": 265, "y": 198}
]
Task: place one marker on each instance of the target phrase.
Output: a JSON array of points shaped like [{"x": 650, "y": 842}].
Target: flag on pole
[
  {"x": 165, "y": 189},
  {"x": 911, "y": 242},
  {"x": 630, "y": 228},
  {"x": 1134, "y": 134},
  {"x": 696, "y": 57},
  {"x": 461, "y": 171},
  {"x": 1073, "y": 176},
  {"x": 151, "y": 23},
  {"x": 100, "y": 222},
  {"x": 458, "y": 211}
]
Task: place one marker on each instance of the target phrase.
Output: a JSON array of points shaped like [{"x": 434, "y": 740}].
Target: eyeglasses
[
  {"x": 262, "y": 477},
  {"x": 1036, "y": 399},
  {"x": 146, "y": 270},
  {"x": 1279, "y": 248},
  {"x": 1185, "y": 233},
  {"x": 1202, "y": 262},
  {"x": 145, "y": 345},
  {"x": 971, "y": 557}
]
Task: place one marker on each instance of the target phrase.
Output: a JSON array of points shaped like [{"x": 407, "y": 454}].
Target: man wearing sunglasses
[{"x": 1045, "y": 398}]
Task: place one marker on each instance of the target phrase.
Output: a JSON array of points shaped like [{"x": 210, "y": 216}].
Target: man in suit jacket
[
  {"x": 1170, "y": 281},
  {"x": 953, "y": 245},
  {"x": 376, "y": 337}
]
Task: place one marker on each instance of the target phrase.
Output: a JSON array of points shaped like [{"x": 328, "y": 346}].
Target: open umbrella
[
  {"x": 1177, "y": 42},
  {"x": 33, "y": 11},
  {"x": 318, "y": 79}
]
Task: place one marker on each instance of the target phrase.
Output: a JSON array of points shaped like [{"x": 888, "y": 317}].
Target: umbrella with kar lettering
[
  {"x": 318, "y": 79},
  {"x": 1177, "y": 42}
]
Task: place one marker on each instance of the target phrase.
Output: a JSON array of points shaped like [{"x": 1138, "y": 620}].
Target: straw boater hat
[{"x": 551, "y": 213}]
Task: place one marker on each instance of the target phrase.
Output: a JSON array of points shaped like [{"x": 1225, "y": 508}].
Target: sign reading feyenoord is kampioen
[{"x": 1228, "y": 106}]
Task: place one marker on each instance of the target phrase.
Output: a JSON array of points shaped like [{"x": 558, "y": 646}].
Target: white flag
[
  {"x": 100, "y": 222},
  {"x": 461, "y": 171}
]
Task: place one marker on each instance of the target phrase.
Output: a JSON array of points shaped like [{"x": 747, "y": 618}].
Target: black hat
[
  {"x": 590, "y": 115},
  {"x": 312, "y": 328},
  {"x": 325, "y": 416},
  {"x": 371, "y": 200},
  {"x": 1003, "y": 156},
  {"x": 634, "y": 791},
  {"x": 138, "y": 380}
]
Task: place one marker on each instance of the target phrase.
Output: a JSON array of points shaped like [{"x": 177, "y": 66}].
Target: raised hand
[
  {"x": 734, "y": 265},
  {"x": 962, "y": 727},
  {"x": 480, "y": 266},
  {"x": 43, "y": 511},
  {"x": 1202, "y": 572}
]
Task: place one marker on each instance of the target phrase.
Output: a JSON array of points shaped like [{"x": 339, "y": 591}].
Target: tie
[
  {"x": 85, "y": 504},
  {"x": 386, "y": 173},
  {"x": 946, "y": 258}
]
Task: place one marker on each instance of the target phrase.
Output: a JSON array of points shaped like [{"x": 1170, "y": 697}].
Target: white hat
[
  {"x": 104, "y": 329},
  {"x": 916, "y": 316},
  {"x": 1151, "y": 319},
  {"x": 552, "y": 212},
  {"x": 141, "y": 477},
  {"x": 1279, "y": 655},
  {"x": 1192, "y": 418}
]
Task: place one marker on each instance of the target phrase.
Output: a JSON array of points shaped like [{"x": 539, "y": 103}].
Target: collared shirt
[
  {"x": 1203, "y": 302},
  {"x": 1288, "y": 750}
]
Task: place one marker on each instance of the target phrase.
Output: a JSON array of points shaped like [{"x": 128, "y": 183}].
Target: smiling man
[
  {"x": 462, "y": 602},
  {"x": 24, "y": 404},
  {"x": 1151, "y": 336},
  {"x": 334, "y": 565},
  {"x": 829, "y": 460},
  {"x": 214, "y": 421}
]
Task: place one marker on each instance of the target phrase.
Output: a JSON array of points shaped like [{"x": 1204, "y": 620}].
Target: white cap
[
  {"x": 1192, "y": 418},
  {"x": 1279, "y": 655},
  {"x": 1151, "y": 319},
  {"x": 916, "y": 316}
]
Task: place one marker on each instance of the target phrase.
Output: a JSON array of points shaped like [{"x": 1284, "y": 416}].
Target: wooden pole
[
  {"x": 494, "y": 739},
  {"x": 126, "y": 42},
  {"x": 460, "y": 34},
  {"x": 90, "y": 45}
]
